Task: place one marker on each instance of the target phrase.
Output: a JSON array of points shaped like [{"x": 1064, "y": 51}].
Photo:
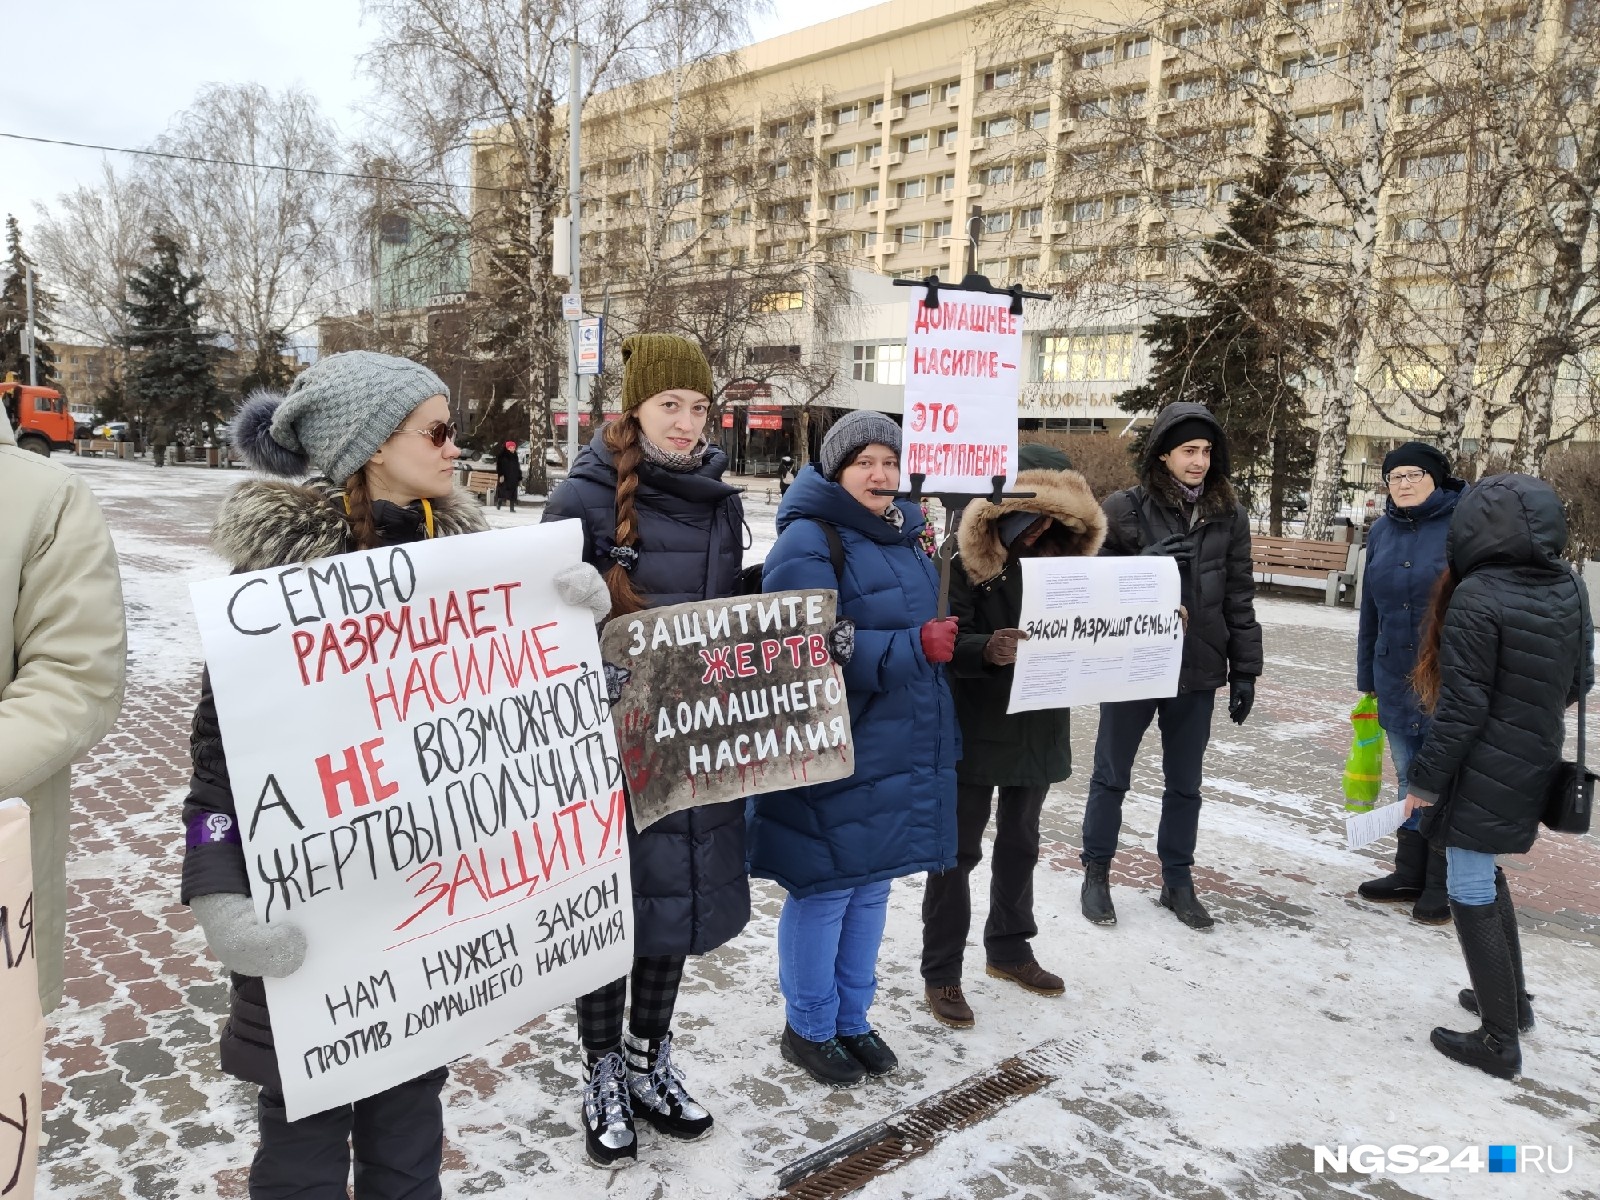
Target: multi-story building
[
  {"x": 1091, "y": 152},
  {"x": 85, "y": 373}
]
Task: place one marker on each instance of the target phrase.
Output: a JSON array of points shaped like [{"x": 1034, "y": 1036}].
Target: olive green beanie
[{"x": 659, "y": 362}]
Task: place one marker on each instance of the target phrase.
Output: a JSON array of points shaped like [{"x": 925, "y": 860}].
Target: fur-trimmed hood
[
  {"x": 1063, "y": 496},
  {"x": 1218, "y": 499},
  {"x": 268, "y": 522}
]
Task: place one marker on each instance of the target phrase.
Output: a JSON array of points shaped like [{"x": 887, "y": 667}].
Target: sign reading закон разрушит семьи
[{"x": 427, "y": 783}]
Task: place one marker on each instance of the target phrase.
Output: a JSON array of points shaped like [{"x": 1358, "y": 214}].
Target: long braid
[
  {"x": 622, "y": 439},
  {"x": 363, "y": 528}
]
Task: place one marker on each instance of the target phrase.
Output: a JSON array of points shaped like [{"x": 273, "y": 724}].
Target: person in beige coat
[{"x": 63, "y": 659}]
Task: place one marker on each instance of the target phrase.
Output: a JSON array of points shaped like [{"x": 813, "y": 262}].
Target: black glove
[
  {"x": 1241, "y": 697},
  {"x": 842, "y": 641},
  {"x": 1174, "y": 545}
]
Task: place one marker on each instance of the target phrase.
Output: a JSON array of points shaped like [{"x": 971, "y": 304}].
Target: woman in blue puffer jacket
[{"x": 836, "y": 846}]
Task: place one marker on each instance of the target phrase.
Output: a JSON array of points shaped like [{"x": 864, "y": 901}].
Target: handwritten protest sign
[
  {"x": 728, "y": 698},
  {"x": 21, "y": 1022},
  {"x": 963, "y": 363},
  {"x": 427, "y": 783},
  {"x": 1099, "y": 629}
]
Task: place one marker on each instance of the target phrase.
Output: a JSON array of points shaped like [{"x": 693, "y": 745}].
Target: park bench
[
  {"x": 482, "y": 483},
  {"x": 96, "y": 446},
  {"x": 1298, "y": 562}
]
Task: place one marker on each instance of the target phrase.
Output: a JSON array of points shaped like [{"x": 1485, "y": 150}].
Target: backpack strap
[{"x": 835, "y": 546}]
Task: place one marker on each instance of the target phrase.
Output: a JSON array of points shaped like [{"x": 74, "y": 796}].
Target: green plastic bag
[{"x": 1363, "y": 770}]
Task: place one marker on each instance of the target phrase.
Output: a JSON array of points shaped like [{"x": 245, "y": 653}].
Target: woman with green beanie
[{"x": 663, "y": 528}]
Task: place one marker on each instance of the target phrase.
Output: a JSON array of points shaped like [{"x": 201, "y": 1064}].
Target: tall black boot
[
  {"x": 1493, "y": 1046},
  {"x": 1410, "y": 871},
  {"x": 1508, "y": 923},
  {"x": 1433, "y": 906}
]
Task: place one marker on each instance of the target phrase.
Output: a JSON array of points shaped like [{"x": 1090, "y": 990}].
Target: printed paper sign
[
  {"x": 427, "y": 784},
  {"x": 21, "y": 1022},
  {"x": 963, "y": 371},
  {"x": 723, "y": 699},
  {"x": 1099, "y": 629},
  {"x": 1361, "y": 829}
]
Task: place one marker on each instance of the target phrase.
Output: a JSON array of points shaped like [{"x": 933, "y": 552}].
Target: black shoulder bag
[
  {"x": 1570, "y": 801},
  {"x": 750, "y": 577}
]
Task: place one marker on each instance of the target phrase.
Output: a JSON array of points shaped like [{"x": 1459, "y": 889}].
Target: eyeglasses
[
  {"x": 438, "y": 433},
  {"x": 1406, "y": 478}
]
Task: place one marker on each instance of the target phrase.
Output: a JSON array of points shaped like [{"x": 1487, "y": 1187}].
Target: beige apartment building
[
  {"x": 85, "y": 372},
  {"x": 1100, "y": 149}
]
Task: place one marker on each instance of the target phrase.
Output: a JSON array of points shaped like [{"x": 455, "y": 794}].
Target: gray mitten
[
  {"x": 242, "y": 943},
  {"x": 583, "y": 586}
]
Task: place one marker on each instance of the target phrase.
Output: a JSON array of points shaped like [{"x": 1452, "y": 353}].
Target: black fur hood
[{"x": 269, "y": 522}]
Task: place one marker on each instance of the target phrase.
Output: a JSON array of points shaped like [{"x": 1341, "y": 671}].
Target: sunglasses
[{"x": 438, "y": 433}]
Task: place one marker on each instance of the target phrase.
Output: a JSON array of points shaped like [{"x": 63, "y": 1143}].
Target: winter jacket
[
  {"x": 63, "y": 659},
  {"x": 1515, "y": 649},
  {"x": 1405, "y": 557},
  {"x": 508, "y": 473},
  {"x": 690, "y": 891},
  {"x": 1026, "y": 749},
  {"x": 268, "y": 523},
  {"x": 896, "y": 815},
  {"x": 1223, "y": 638}
]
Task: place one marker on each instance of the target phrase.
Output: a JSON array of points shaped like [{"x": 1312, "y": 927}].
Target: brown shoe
[
  {"x": 949, "y": 1006},
  {"x": 1029, "y": 976}
]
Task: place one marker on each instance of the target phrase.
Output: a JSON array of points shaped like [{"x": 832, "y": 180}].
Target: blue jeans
[
  {"x": 828, "y": 959},
  {"x": 1469, "y": 875},
  {"x": 1403, "y": 747}
]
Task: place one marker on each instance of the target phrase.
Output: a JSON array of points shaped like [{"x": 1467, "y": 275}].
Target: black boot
[
  {"x": 608, "y": 1134},
  {"x": 659, "y": 1096},
  {"x": 1186, "y": 906},
  {"x": 827, "y": 1062},
  {"x": 1095, "y": 898},
  {"x": 1508, "y": 924},
  {"x": 1493, "y": 1046},
  {"x": 1433, "y": 906},
  {"x": 1410, "y": 870}
]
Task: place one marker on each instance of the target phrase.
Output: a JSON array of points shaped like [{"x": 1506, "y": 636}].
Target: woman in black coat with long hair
[
  {"x": 1508, "y": 645},
  {"x": 664, "y": 529}
]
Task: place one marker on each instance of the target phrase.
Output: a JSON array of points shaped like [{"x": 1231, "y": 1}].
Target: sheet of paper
[
  {"x": 1099, "y": 629},
  {"x": 1362, "y": 829}
]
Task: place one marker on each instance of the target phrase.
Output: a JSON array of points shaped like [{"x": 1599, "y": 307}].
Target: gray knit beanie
[
  {"x": 336, "y": 415},
  {"x": 850, "y": 435}
]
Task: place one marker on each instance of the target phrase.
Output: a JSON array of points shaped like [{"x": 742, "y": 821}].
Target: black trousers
[
  {"x": 655, "y": 996},
  {"x": 1185, "y": 723},
  {"x": 947, "y": 898},
  {"x": 396, "y": 1139}
]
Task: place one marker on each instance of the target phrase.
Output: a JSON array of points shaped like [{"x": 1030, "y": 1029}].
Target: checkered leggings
[{"x": 655, "y": 995}]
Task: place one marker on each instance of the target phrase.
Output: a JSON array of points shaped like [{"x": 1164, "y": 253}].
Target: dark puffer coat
[
  {"x": 267, "y": 524},
  {"x": 1405, "y": 557},
  {"x": 897, "y": 814},
  {"x": 1026, "y": 749},
  {"x": 1516, "y": 648},
  {"x": 1223, "y": 639},
  {"x": 690, "y": 891}
]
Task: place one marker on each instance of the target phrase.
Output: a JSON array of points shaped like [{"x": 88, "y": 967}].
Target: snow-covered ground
[{"x": 1184, "y": 1065}]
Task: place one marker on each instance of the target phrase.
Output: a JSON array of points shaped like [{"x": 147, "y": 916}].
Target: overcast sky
[{"x": 113, "y": 72}]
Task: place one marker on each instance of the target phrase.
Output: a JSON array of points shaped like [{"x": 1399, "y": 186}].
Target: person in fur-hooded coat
[
  {"x": 1021, "y": 754},
  {"x": 1184, "y": 507}
]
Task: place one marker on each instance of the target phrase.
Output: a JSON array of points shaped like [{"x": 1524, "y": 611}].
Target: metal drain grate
[{"x": 850, "y": 1163}]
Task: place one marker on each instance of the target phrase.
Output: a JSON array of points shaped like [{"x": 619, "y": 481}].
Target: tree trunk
[{"x": 1279, "y": 482}]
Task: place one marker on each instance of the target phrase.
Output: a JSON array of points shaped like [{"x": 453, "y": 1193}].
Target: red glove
[{"x": 939, "y": 639}]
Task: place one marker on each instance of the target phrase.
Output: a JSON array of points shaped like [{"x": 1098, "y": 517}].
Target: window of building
[
  {"x": 869, "y": 195},
  {"x": 1349, "y": 116},
  {"x": 718, "y": 220},
  {"x": 1310, "y": 10},
  {"x": 1097, "y": 56},
  {"x": 781, "y": 129},
  {"x": 1307, "y": 67},
  {"x": 878, "y": 363},
  {"x": 997, "y": 222},
  {"x": 997, "y": 175},
  {"x": 1243, "y": 79},
  {"x": 1088, "y": 210},
  {"x": 1089, "y": 355},
  {"x": 1315, "y": 122},
  {"x": 1003, "y": 78},
  {"x": 946, "y": 137},
  {"x": 911, "y": 189},
  {"x": 1041, "y": 70},
  {"x": 1091, "y": 110},
  {"x": 1227, "y": 192},
  {"x": 838, "y": 244},
  {"x": 767, "y": 355},
  {"x": 1566, "y": 152},
  {"x": 1422, "y": 229},
  {"x": 915, "y": 144},
  {"x": 1191, "y": 195},
  {"x": 1131, "y": 102},
  {"x": 1422, "y": 104},
  {"x": 944, "y": 184},
  {"x": 1244, "y": 23},
  {"x": 874, "y": 107},
  {"x": 1432, "y": 166},
  {"x": 848, "y": 115},
  {"x": 999, "y": 126},
  {"x": 909, "y": 235},
  {"x": 869, "y": 239},
  {"x": 1030, "y": 218},
  {"x": 780, "y": 170},
  {"x": 994, "y": 268},
  {"x": 1033, "y": 169},
  {"x": 1237, "y": 135},
  {"x": 779, "y": 302},
  {"x": 1191, "y": 89},
  {"x": 1193, "y": 35},
  {"x": 940, "y": 229},
  {"x": 1443, "y": 39},
  {"x": 1138, "y": 47},
  {"x": 840, "y": 201},
  {"x": 1123, "y": 205},
  {"x": 679, "y": 231},
  {"x": 917, "y": 99},
  {"x": 874, "y": 151},
  {"x": 950, "y": 91},
  {"x": 1039, "y": 118},
  {"x": 843, "y": 158}
]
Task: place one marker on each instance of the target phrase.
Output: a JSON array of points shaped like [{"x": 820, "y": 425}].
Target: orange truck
[{"x": 38, "y": 416}]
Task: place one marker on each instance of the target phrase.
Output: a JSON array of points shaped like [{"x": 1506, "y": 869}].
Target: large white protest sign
[
  {"x": 21, "y": 1022},
  {"x": 422, "y": 760},
  {"x": 963, "y": 371},
  {"x": 1099, "y": 629}
]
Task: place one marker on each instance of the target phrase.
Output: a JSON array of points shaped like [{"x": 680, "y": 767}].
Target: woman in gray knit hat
[{"x": 369, "y": 447}]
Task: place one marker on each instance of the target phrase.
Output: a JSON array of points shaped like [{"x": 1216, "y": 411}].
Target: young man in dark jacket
[
  {"x": 1183, "y": 507},
  {"x": 1021, "y": 754}
]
